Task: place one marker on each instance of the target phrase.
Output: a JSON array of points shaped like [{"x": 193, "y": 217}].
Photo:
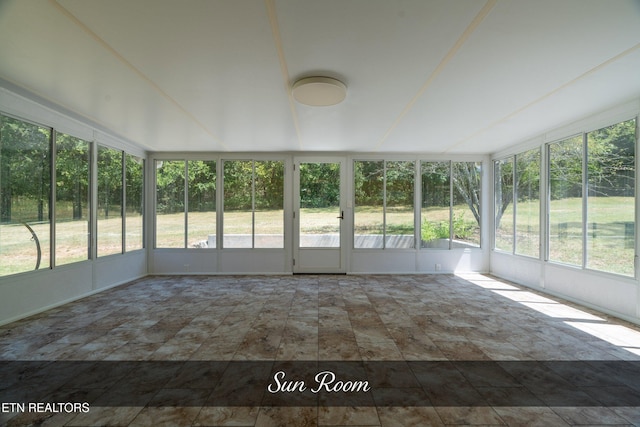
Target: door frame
[{"x": 301, "y": 255}]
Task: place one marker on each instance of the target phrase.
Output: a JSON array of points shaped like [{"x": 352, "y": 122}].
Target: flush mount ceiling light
[{"x": 319, "y": 91}]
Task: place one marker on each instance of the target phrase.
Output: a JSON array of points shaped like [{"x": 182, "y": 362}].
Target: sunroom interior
[{"x": 156, "y": 138}]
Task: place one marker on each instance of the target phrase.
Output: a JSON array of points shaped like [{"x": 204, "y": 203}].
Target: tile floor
[{"x": 412, "y": 318}]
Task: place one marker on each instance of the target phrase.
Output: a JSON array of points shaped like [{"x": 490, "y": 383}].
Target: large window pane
[
  {"x": 319, "y": 205},
  {"x": 135, "y": 202},
  {"x": 369, "y": 204},
  {"x": 611, "y": 198},
  {"x": 528, "y": 203},
  {"x": 399, "y": 219},
  {"x": 109, "y": 201},
  {"x": 253, "y": 204},
  {"x": 72, "y": 199},
  {"x": 436, "y": 195},
  {"x": 466, "y": 203},
  {"x": 25, "y": 187},
  {"x": 202, "y": 204},
  {"x": 170, "y": 220},
  {"x": 504, "y": 204},
  {"x": 269, "y": 204},
  {"x": 565, "y": 206},
  {"x": 238, "y": 204}
]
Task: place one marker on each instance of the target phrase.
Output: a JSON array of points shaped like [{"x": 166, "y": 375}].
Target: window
[
  {"x": 384, "y": 211},
  {"x": 253, "y": 204},
  {"x": 466, "y": 180},
  {"x": 269, "y": 204},
  {"x": 565, "y": 205},
  {"x": 436, "y": 205},
  {"x": 186, "y": 208},
  {"x": 527, "y": 202},
  {"x": 25, "y": 191},
  {"x": 503, "y": 170},
  {"x": 592, "y": 199},
  {"x": 517, "y": 203},
  {"x": 29, "y": 201},
  {"x": 399, "y": 209},
  {"x": 110, "y": 201},
  {"x": 450, "y": 215},
  {"x": 72, "y": 199},
  {"x": 134, "y": 206},
  {"x": 170, "y": 209},
  {"x": 369, "y": 204},
  {"x": 611, "y": 198},
  {"x": 202, "y": 204}
]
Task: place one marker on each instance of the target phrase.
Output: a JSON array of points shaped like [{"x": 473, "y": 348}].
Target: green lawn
[
  {"x": 610, "y": 232},
  {"x": 610, "y": 244}
]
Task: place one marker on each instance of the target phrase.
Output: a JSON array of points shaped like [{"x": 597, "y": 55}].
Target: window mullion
[
  {"x": 123, "y": 202},
  {"x": 253, "y": 204},
  {"x": 585, "y": 195},
  {"x": 186, "y": 203},
  {"x": 384, "y": 204},
  {"x": 417, "y": 204},
  {"x": 53, "y": 190},
  {"x": 450, "y": 204},
  {"x": 514, "y": 198}
]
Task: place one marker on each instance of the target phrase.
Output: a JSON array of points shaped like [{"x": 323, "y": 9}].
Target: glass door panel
[
  {"x": 320, "y": 205},
  {"x": 319, "y": 215}
]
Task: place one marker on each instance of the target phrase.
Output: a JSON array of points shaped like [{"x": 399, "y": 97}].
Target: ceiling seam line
[
  {"x": 547, "y": 95},
  {"x": 139, "y": 73},
  {"x": 284, "y": 71},
  {"x": 443, "y": 63}
]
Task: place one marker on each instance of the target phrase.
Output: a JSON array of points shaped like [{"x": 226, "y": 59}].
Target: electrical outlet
[{"x": 438, "y": 267}]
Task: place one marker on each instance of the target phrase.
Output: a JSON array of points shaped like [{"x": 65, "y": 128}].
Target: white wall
[
  {"x": 28, "y": 293},
  {"x": 611, "y": 294}
]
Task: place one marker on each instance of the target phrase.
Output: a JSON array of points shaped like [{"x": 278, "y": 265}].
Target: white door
[{"x": 319, "y": 215}]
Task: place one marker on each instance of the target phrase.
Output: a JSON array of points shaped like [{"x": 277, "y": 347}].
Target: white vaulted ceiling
[{"x": 433, "y": 76}]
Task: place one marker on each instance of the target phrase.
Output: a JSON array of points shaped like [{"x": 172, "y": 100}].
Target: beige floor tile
[
  {"x": 339, "y": 318},
  {"x": 348, "y": 416},
  {"x": 227, "y": 416},
  {"x": 530, "y": 417},
  {"x": 412, "y": 416},
  {"x": 479, "y": 415},
  {"x": 105, "y": 416},
  {"x": 287, "y": 416}
]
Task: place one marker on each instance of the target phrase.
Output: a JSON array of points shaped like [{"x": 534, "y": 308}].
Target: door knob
[{"x": 341, "y": 215}]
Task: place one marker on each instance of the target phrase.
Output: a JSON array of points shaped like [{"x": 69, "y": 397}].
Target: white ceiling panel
[
  {"x": 368, "y": 44},
  {"x": 519, "y": 54},
  {"x": 433, "y": 76}
]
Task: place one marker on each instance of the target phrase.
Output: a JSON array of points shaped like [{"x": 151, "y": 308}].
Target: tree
[
  {"x": 109, "y": 180},
  {"x": 467, "y": 182},
  {"x": 72, "y": 173},
  {"x": 24, "y": 170},
  {"x": 319, "y": 185},
  {"x": 135, "y": 184},
  {"x": 611, "y": 160},
  {"x": 525, "y": 178},
  {"x": 202, "y": 185},
  {"x": 170, "y": 176}
]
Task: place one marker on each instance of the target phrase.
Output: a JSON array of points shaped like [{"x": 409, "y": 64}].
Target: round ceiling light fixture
[{"x": 319, "y": 91}]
